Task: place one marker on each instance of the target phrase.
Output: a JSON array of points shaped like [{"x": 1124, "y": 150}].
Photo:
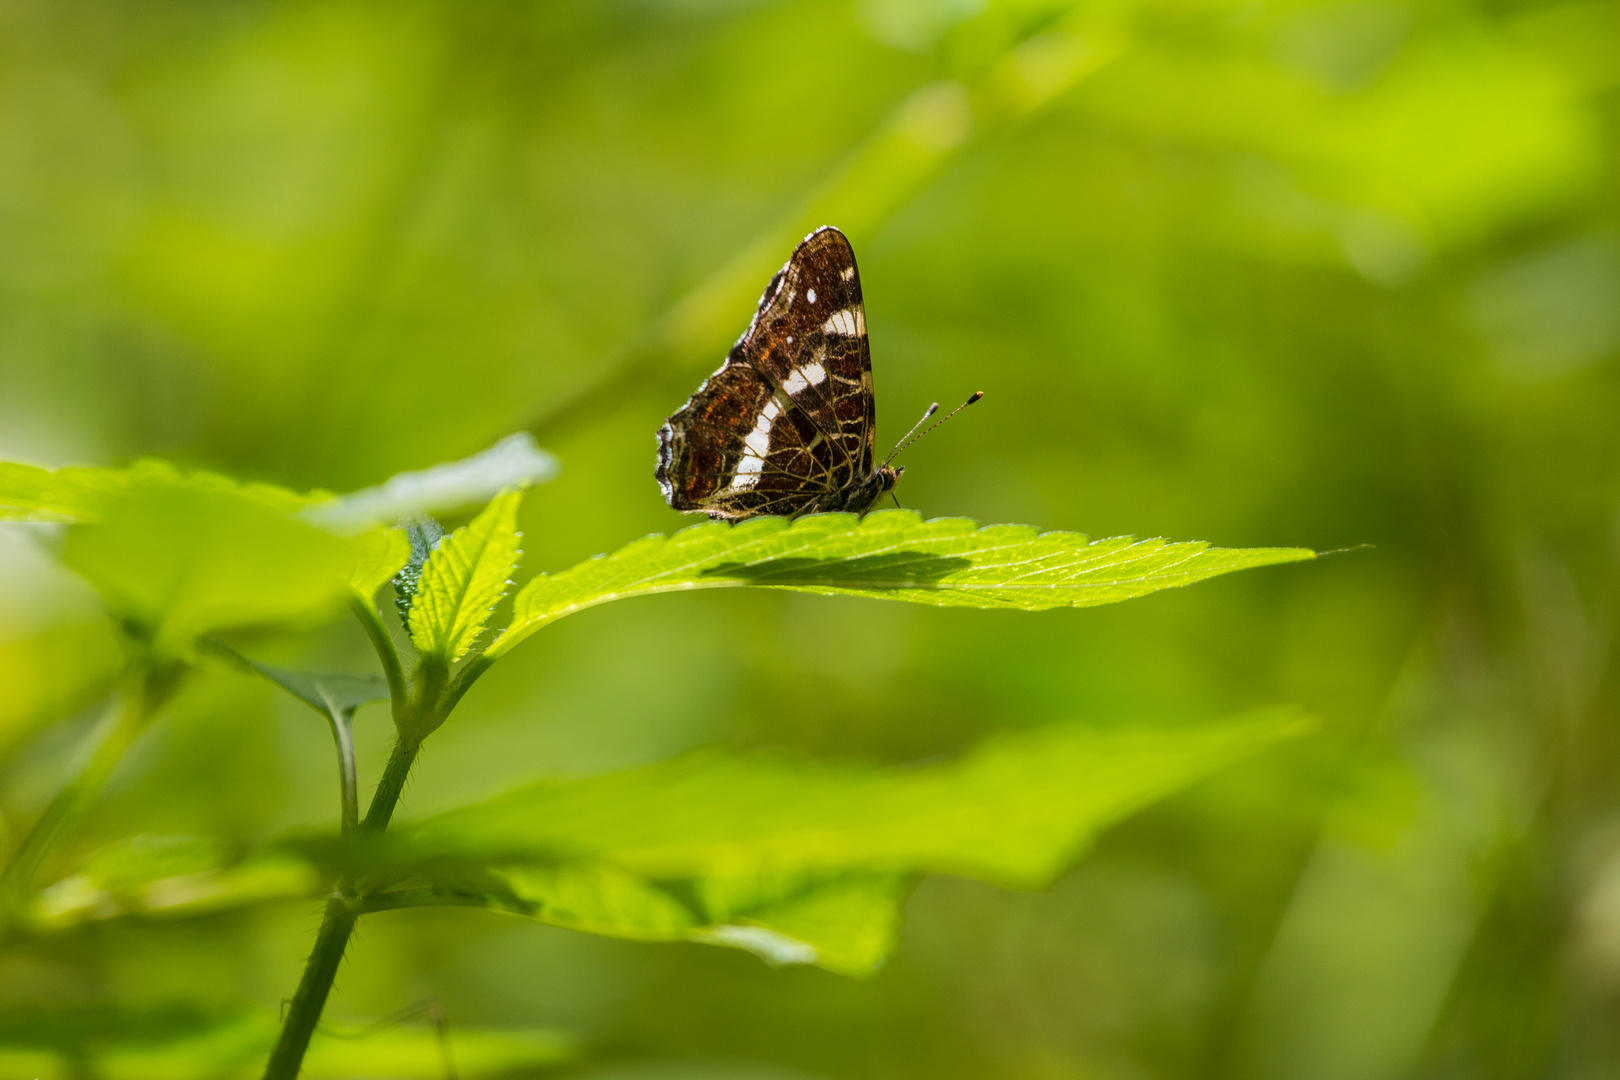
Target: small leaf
[
  {"x": 892, "y": 554},
  {"x": 423, "y": 535},
  {"x": 378, "y": 556},
  {"x": 324, "y": 692},
  {"x": 463, "y": 579},
  {"x": 515, "y": 461}
]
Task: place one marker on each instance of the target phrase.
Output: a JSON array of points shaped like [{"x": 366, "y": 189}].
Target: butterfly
[{"x": 787, "y": 424}]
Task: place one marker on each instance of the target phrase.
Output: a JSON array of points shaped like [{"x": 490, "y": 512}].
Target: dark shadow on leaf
[{"x": 892, "y": 570}]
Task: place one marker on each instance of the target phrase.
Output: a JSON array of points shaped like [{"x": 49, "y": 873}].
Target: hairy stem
[
  {"x": 417, "y": 711},
  {"x": 310, "y": 998},
  {"x": 336, "y": 926},
  {"x": 390, "y": 786}
]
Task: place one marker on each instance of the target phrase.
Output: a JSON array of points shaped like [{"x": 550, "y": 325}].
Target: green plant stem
[
  {"x": 337, "y": 925},
  {"x": 390, "y": 786},
  {"x": 342, "y": 721},
  {"x": 417, "y": 711},
  {"x": 125, "y": 719},
  {"x": 313, "y": 989},
  {"x": 393, "y": 669},
  {"x": 465, "y": 678}
]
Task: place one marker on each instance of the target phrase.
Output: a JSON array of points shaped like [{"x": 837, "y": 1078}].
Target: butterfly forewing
[
  {"x": 786, "y": 424},
  {"x": 809, "y": 339}
]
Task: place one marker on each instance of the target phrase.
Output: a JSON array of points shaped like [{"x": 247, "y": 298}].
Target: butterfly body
[{"x": 786, "y": 425}]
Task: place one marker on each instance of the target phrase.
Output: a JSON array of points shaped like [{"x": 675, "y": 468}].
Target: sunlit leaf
[
  {"x": 379, "y": 555},
  {"x": 73, "y": 494},
  {"x": 464, "y": 578},
  {"x": 515, "y": 461},
  {"x": 892, "y": 554}
]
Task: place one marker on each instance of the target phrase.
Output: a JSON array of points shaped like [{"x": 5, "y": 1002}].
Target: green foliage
[
  {"x": 890, "y": 554},
  {"x": 1311, "y": 273},
  {"x": 167, "y": 877},
  {"x": 30, "y": 493},
  {"x": 232, "y": 1047},
  {"x": 797, "y": 861},
  {"x": 54, "y": 673},
  {"x": 379, "y": 555},
  {"x": 463, "y": 579},
  {"x": 178, "y": 561},
  {"x": 1016, "y": 811}
]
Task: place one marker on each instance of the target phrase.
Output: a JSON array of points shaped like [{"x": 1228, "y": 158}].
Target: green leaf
[
  {"x": 463, "y": 579},
  {"x": 849, "y": 925},
  {"x": 1015, "y": 811},
  {"x": 175, "y": 561},
  {"x": 515, "y": 461},
  {"x": 167, "y": 877},
  {"x": 179, "y": 554},
  {"x": 378, "y": 556},
  {"x": 793, "y": 860},
  {"x": 892, "y": 554},
  {"x": 422, "y": 536},
  {"x": 73, "y": 494},
  {"x": 325, "y": 692},
  {"x": 796, "y": 861}
]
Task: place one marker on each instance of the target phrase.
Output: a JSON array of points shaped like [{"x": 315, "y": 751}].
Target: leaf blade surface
[
  {"x": 464, "y": 578},
  {"x": 890, "y": 554}
]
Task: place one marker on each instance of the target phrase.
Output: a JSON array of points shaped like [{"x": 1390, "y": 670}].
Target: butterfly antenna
[{"x": 912, "y": 436}]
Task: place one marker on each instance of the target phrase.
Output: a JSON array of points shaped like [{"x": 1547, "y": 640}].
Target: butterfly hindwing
[{"x": 737, "y": 449}]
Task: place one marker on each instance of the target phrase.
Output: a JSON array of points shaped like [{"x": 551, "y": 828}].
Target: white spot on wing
[
  {"x": 794, "y": 383},
  {"x": 748, "y": 470},
  {"x": 849, "y": 322},
  {"x": 810, "y": 295},
  {"x": 759, "y": 440},
  {"x": 816, "y": 374},
  {"x": 847, "y": 272}
]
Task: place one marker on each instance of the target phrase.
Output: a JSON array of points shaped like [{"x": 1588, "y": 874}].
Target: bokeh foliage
[{"x": 1258, "y": 273}]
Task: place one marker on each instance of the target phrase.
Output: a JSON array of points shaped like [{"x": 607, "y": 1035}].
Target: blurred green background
[{"x": 1250, "y": 271}]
